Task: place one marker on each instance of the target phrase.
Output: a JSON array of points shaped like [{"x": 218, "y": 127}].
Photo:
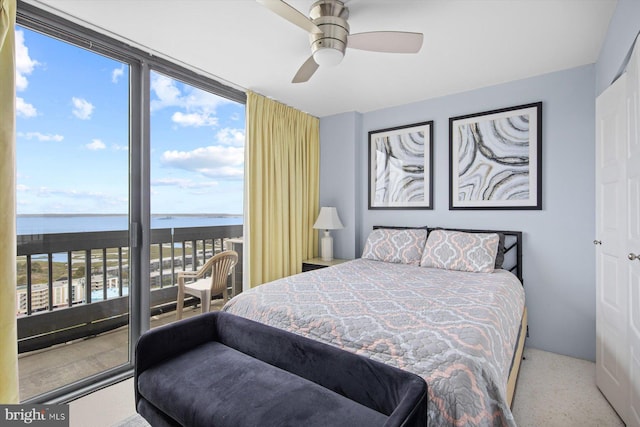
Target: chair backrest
[{"x": 221, "y": 267}]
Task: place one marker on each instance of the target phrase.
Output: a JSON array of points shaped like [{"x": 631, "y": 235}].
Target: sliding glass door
[
  {"x": 129, "y": 169},
  {"x": 196, "y": 183},
  {"x": 72, "y": 158}
]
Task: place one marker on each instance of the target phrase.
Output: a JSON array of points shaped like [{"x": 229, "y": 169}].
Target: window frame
[{"x": 141, "y": 64}]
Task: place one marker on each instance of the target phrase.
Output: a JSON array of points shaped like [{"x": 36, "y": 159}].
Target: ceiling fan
[{"x": 329, "y": 35}]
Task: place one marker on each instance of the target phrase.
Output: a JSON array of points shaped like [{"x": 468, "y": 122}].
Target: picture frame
[
  {"x": 401, "y": 167},
  {"x": 495, "y": 159}
]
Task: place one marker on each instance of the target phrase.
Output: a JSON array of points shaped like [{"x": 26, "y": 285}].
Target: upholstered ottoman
[{"x": 217, "y": 369}]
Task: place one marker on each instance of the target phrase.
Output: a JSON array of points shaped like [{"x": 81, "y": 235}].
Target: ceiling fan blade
[
  {"x": 291, "y": 14},
  {"x": 386, "y": 41},
  {"x": 306, "y": 71}
]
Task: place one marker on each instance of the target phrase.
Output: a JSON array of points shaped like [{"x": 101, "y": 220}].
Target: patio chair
[{"x": 220, "y": 266}]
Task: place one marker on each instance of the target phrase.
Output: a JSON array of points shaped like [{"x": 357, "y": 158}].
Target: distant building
[{"x": 40, "y": 293}]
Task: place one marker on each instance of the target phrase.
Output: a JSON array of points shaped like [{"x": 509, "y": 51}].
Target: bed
[{"x": 429, "y": 304}]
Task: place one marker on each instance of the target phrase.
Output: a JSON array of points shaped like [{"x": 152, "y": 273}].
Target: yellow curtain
[
  {"x": 282, "y": 189},
  {"x": 8, "y": 332}
]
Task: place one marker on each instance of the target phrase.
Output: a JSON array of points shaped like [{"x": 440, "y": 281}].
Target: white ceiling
[{"x": 467, "y": 44}]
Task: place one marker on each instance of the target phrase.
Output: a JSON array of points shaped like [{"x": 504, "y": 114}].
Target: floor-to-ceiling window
[
  {"x": 72, "y": 161},
  {"x": 196, "y": 180},
  {"x": 103, "y": 145},
  {"x": 197, "y": 152}
]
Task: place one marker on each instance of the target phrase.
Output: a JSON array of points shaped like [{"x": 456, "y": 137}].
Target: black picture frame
[
  {"x": 401, "y": 167},
  {"x": 495, "y": 159}
]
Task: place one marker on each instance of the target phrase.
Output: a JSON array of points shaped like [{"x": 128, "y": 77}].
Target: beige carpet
[
  {"x": 552, "y": 391},
  {"x": 555, "y": 390}
]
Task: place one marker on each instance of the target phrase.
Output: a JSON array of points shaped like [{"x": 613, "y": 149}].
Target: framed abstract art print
[
  {"x": 495, "y": 159},
  {"x": 401, "y": 167}
]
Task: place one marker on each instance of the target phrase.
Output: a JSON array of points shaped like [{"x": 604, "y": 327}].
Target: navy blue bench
[{"x": 218, "y": 369}]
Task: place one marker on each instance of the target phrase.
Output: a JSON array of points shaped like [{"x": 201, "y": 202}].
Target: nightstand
[{"x": 316, "y": 263}]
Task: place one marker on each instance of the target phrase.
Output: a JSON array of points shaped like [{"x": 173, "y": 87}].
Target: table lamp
[{"x": 327, "y": 220}]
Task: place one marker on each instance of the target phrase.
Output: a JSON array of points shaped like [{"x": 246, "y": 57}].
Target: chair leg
[
  {"x": 206, "y": 301},
  {"x": 180, "y": 302}
]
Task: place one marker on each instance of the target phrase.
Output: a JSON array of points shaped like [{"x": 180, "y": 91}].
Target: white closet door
[
  {"x": 611, "y": 257},
  {"x": 633, "y": 236},
  {"x": 618, "y": 244}
]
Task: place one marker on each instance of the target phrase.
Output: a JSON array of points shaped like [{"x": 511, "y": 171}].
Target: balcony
[{"x": 73, "y": 324}]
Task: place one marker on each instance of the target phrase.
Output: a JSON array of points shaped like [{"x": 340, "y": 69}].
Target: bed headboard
[{"x": 512, "y": 246}]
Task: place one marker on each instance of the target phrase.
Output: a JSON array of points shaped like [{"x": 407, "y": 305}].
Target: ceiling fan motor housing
[{"x": 331, "y": 17}]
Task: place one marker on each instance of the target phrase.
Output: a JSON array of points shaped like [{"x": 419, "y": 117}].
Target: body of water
[{"x": 47, "y": 224}]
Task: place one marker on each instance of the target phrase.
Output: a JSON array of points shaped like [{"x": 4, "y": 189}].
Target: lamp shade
[{"x": 328, "y": 219}]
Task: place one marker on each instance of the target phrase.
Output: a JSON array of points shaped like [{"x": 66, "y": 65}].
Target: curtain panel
[
  {"x": 9, "y": 393},
  {"x": 282, "y": 189}
]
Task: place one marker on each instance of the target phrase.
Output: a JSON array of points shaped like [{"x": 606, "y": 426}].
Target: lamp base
[{"x": 326, "y": 246}]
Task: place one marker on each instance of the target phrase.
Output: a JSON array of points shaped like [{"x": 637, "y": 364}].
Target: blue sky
[{"x": 72, "y": 136}]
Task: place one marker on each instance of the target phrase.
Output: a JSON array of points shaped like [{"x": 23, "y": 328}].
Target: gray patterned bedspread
[{"x": 457, "y": 330}]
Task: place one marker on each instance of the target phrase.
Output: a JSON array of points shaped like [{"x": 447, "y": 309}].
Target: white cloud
[
  {"x": 166, "y": 92},
  {"x": 116, "y": 147},
  {"x": 63, "y": 200},
  {"x": 24, "y": 109},
  {"x": 117, "y": 73},
  {"x": 82, "y": 108},
  {"x": 224, "y": 171},
  {"x": 170, "y": 182},
  {"x": 203, "y": 185},
  {"x": 195, "y": 97},
  {"x": 40, "y": 136},
  {"x": 23, "y": 204},
  {"x": 229, "y": 136},
  {"x": 183, "y": 183},
  {"x": 194, "y": 119},
  {"x": 24, "y": 63},
  {"x": 100, "y": 198},
  {"x": 44, "y": 199},
  {"x": 198, "y": 106},
  {"x": 96, "y": 145},
  {"x": 185, "y": 186},
  {"x": 213, "y": 161}
]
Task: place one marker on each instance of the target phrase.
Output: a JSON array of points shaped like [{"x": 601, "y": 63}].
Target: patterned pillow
[
  {"x": 456, "y": 250},
  {"x": 396, "y": 245}
]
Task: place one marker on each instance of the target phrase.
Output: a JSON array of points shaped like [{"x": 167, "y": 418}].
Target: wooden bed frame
[
  {"x": 517, "y": 359},
  {"x": 513, "y": 263}
]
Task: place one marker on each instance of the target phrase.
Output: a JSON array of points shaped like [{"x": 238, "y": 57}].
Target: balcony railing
[{"x": 90, "y": 294}]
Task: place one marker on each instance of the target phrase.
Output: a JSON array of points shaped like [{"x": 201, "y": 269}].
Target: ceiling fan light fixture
[
  {"x": 329, "y": 35},
  {"x": 328, "y": 57}
]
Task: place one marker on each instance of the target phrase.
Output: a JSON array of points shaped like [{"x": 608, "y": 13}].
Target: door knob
[
  {"x": 597, "y": 242},
  {"x": 633, "y": 256}
]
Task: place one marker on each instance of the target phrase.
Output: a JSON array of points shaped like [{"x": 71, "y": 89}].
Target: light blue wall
[
  {"x": 558, "y": 253},
  {"x": 623, "y": 29},
  {"x": 339, "y": 174},
  {"x": 559, "y": 272}
]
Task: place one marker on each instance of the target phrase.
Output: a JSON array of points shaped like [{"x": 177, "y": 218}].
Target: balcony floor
[{"x": 45, "y": 370}]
